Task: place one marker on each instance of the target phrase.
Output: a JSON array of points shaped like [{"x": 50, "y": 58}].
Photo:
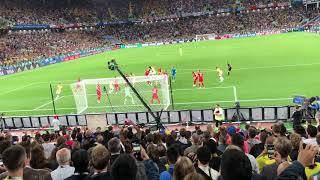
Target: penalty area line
[{"x": 39, "y": 107}]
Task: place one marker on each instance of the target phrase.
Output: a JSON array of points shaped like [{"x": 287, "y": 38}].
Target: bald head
[
  {"x": 195, "y": 138},
  {"x": 63, "y": 156}
]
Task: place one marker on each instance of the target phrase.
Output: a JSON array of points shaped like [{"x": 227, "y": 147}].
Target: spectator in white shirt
[
  {"x": 56, "y": 124},
  {"x": 64, "y": 169},
  {"x": 312, "y": 133},
  {"x": 203, "y": 168}
]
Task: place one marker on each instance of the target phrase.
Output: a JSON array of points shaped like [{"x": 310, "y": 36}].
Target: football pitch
[{"x": 267, "y": 71}]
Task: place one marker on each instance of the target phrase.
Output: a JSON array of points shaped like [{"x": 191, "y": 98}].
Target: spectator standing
[
  {"x": 295, "y": 142},
  {"x": 114, "y": 147},
  {"x": 182, "y": 168},
  {"x": 195, "y": 145},
  {"x": 47, "y": 145},
  {"x": 204, "y": 156},
  {"x": 80, "y": 161},
  {"x": 312, "y": 133},
  {"x": 172, "y": 157},
  {"x": 252, "y": 138},
  {"x": 38, "y": 160},
  {"x": 282, "y": 147},
  {"x": 14, "y": 161},
  {"x": 218, "y": 115},
  {"x": 56, "y": 124},
  {"x": 64, "y": 169},
  {"x": 238, "y": 140},
  {"x": 125, "y": 168},
  {"x": 297, "y": 117},
  {"x": 222, "y": 142},
  {"x": 100, "y": 157}
]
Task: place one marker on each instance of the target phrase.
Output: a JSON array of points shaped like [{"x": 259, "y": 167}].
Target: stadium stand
[
  {"x": 211, "y": 152},
  {"x": 131, "y": 152}
]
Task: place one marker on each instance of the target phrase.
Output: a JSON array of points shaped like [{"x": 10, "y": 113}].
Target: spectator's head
[
  {"x": 237, "y": 140},
  {"x": 282, "y": 145},
  {"x": 312, "y": 131},
  {"x": 211, "y": 145},
  {"x": 100, "y": 139},
  {"x": 14, "y": 160},
  {"x": 27, "y": 148},
  {"x": 195, "y": 139},
  {"x": 270, "y": 140},
  {"x": 61, "y": 140},
  {"x": 203, "y": 155},
  {"x": 80, "y": 161},
  {"x": 263, "y": 137},
  {"x": 183, "y": 167},
  {"x": 150, "y": 138},
  {"x": 183, "y": 132},
  {"x": 4, "y": 144},
  {"x": 194, "y": 176},
  {"x": 38, "y": 160},
  {"x": 252, "y": 133},
  {"x": 124, "y": 167},
  {"x": 223, "y": 139},
  {"x": 276, "y": 130},
  {"x": 295, "y": 140},
  {"x": 172, "y": 155},
  {"x": 235, "y": 165},
  {"x": 46, "y": 137},
  {"x": 300, "y": 130},
  {"x": 114, "y": 145},
  {"x": 161, "y": 150},
  {"x": 63, "y": 156},
  {"x": 206, "y": 136},
  {"x": 100, "y": 158}
]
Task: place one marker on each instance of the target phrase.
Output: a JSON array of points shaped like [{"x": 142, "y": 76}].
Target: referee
[{"x": 229, "y": 68}]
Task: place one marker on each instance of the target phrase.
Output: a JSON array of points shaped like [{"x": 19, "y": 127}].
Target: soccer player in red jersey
[
  {"x": 160, "y": 71},
  {"x": 200, "y": 79},
  {"x": 116, "y": 85},
  {"x": 98, "y": 89},
  {"x": 78, "y": 83},
  {"x": 195, "y": 78},
  {"x": 155, "y": 95},
  {"x": 147, "y": 73}
]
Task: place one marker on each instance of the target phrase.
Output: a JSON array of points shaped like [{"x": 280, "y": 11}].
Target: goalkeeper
[{"x": 127, "y": 94}]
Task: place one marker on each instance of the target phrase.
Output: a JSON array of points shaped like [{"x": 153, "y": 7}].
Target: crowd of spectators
[
  {"x": 17, "y": 47},
  {"x": 25, "y": 47},
  {"x": 22, "y": 47},
  {"x": 133, "y": 153},
  {"x": 64, "y": 11}
]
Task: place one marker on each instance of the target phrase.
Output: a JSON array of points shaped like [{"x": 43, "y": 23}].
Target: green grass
[{"x": 268, "y": 71}]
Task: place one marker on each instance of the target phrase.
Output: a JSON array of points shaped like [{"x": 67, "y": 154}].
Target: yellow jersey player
[
  {"x": 220, "y": 74},
  {"x": 58, "y": 91}
]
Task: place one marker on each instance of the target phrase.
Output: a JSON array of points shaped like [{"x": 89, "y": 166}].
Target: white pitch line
[
  {"x": 235, "y": 94},
  {"x": 12, "y": 90},
  {"x": 39, "y": 107}
]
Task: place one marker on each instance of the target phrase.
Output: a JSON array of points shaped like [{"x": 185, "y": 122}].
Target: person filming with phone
[{"x": 279, "y": 151}]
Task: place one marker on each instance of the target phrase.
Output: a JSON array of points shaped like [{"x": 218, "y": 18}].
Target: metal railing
[{"x": 255, "y": 114}]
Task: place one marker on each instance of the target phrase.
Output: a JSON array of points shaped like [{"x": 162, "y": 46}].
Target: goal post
[
  {"x": 204, "y": 37},
  {"x": 117, "y": 96}
]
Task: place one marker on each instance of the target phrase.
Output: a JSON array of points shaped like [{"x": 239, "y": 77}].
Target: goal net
[
  {"x": 115, "y": 95},
  {"x": 204, "y": 37}
]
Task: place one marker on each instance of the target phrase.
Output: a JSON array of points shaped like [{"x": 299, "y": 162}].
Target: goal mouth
[
  {"x": 205, "y": 37},
  {"x": 115, "y": 95}
]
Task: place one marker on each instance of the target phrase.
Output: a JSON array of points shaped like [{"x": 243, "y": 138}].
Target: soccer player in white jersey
[
  {"x": 220, "y": 74},
  {"x": 127, "y": 94}
]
